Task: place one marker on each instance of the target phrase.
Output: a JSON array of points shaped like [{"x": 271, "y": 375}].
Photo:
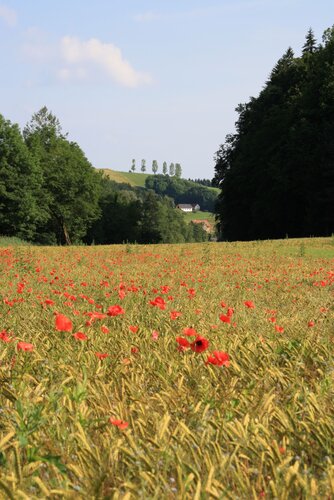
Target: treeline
[
  {"x": 276, "y": 172},
  {"x": 137, "y": 215},
  {"x": 50, "y": 194},
  {"x": 183, "y": 191},
  {"x": 174, "y": 168},
  {"x": 204, "y": 182}
]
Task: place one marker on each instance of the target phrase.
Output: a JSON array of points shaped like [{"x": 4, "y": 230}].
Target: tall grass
[{"x": 6, "y": 241}]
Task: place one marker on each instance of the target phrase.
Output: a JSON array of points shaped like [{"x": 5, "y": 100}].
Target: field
[
  {"x": 177, "y": 371},
  {"x": 135, "y": 178},
  {"x": 132, "y": 178},
  {"x": 200, "y": 216}
]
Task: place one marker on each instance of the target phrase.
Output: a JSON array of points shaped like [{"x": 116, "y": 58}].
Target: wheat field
[{"x": 167, "y": 371}]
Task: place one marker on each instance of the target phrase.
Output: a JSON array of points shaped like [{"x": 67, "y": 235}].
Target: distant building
[{"x": 187, "y": 207}]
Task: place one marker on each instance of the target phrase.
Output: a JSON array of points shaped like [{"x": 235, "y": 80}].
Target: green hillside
[
  {"x": 136, "y": 179},
  {"x": 189, "y": 216},
  {"x": 132, "y": 178}
]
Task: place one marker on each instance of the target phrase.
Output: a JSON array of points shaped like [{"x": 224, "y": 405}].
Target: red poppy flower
[
  {"x": 219, "y": 358},
  {"x": 101, "y": 355},
  {"x": 175, "y": 314},
  {"x": 279, "y": 329},
  {"x": 133, "y": 329},
  {"x": 158, "y": 302},
  {"x": 63, "y": 323},
  {"x": 250, "y": 304},
  {"x": 310, "y": 324},
  {"x": 24, "y": 346},
  {"x": 224, "y": 318},
  {"x": 182, "y": 342},
  {"x": 134, "y": 350},
  {"x": 115, "y": 310},
  {"x": 200, "y": 344},
  {"x": 105, "y": 329},
  {"x": 121, "y": 424},
  {"x": 4, "y": 336},
  {"x": 155, "y": 335},
  {"x": 80, "y": 336},
  {"x": 49, "y": 302},
  {"x": 189, "y": 332}
]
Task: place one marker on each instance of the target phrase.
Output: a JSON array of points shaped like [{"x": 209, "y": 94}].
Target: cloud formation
[
  {"x": 8, "y": 15},
  {"x": 83, "y": 57}
]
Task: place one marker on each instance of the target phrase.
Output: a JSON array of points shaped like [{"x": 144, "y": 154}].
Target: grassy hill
[
  {"x": 132, "y": 178},
  {"x": 189, "y": 216},
  {"x": 137, "y": 179}
]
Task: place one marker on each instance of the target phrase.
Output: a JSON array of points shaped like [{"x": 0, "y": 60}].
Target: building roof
[{"x": 184, "y": 205}]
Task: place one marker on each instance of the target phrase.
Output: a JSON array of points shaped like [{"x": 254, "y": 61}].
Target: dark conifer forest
[{"x": 276, "y": 172}]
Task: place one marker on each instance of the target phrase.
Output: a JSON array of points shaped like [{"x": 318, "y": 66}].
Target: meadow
[
  {"x": 189, "y": 216},
  {"x": 133, "y": 178},
  {"x": 167, "y": 371}
]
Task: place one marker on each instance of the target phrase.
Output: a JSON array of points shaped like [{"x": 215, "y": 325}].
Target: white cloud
[
  {"x": 8, "y": 15},
  {"x": 85, "y": 56},
  {"x": 73, "y": 59}
]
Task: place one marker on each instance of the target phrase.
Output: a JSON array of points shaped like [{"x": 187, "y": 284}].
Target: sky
[{"x": 146, "y": 79}]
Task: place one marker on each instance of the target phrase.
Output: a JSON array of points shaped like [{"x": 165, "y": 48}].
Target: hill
[
  {"x": 132, "y": 178},
  {"x": 137, "y": 178},
  {"x": 180, "y": 190}
]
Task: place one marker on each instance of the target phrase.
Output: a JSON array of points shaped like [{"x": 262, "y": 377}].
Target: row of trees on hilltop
[
  {"x": 276, "y": 172},
  {"x": 173, "y": 169},
  {"x": 51, "y": 194}
]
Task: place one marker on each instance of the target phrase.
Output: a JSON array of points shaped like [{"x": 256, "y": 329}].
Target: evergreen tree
[
  {"x": 310, "y": 43},
  {"x": 164, "y": 168},
  {"x": 276, "y": 172},
  {"x": 143, "y": 166},
  {"x": 171, "y": 169}
]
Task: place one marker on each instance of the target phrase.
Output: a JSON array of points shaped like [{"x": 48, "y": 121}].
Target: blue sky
[{"x": 146, "y": 79}]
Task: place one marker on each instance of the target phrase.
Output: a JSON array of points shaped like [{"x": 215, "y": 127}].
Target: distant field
[
  {"x": 134, "y": 179},
  {"x": 199, "y": 215}
]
